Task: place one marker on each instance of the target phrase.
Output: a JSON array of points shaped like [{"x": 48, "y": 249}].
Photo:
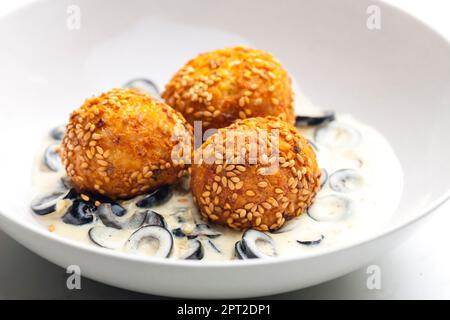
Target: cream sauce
[{"x": 378, "y": 190}]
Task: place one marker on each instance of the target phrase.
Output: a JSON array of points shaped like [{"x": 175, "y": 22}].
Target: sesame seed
[
  {"x": 206, "y": 194},
  {"x": 261, "y": 171},
  {"x": 262, "y": 184},
  {"x": 230, "y": 167},
  {"x": 273, "y": 202},
  {"x": 260, "y": 209},
  {"x": 266, "y": 205},
  {"x": 87, "y": 136},
  {"x": 249, "y": 205},
  {"x": 102, "y": 163},
  {"x": 239, "y": 185},
  {"x": 257, "y": 101},
  {"x": 291, "y": 181},
  {"x": 250, "y": 193},
  {"x": 230, "y": 174},
  {"x": 242, "y": 213}
]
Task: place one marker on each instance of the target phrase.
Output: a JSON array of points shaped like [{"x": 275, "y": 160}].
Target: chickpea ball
[
  {"x": 256, "y": 173},
  {"x": 221, "y": 86},
  {"x": 120, "y": 144}
]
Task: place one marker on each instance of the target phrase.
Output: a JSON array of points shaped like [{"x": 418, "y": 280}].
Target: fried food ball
[
  {"x": 221, "y": 86},
  {"x": 120, "y": 144},
  {"x": 256, "y": 173}
]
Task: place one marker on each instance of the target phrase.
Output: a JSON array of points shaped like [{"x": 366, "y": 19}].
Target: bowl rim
[{"x": 37, "y": 230}]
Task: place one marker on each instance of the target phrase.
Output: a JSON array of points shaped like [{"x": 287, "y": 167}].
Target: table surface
[{"x": 417, "y": 269}]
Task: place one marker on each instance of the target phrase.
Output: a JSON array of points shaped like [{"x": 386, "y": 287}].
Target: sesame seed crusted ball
[
  {"x": 120, "y": 144},
  {"x": 221, "y": 86},
  {"x": 256, "y": 173}
]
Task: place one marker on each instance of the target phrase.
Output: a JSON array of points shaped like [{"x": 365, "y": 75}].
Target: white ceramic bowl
[{"x": 397, "y": 79}]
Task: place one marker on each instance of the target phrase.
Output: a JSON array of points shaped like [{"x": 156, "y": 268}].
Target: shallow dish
[{"x": 397, "y": 79}]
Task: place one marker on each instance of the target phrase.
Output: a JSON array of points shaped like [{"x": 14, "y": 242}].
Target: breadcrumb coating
[
  {"x": 233, "y": 189},
  {"x": 221, "y": 86},
  {"x": 120, "y": 144}
]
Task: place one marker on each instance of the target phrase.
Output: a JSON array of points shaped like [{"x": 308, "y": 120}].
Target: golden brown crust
[
  {"x": 245, "y": 195},
  {"x": 221, "y": 86},
  {"x": 120, "y": 143}
]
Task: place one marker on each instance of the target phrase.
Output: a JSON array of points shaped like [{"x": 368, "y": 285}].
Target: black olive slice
[
  {"x": 52, "y": 159},
  {"x": 162, "y": 235},
  {"x": 46, "y": 204},
  {"x": 79, "y": 213},
  {"x": 337, "y": 135},
  {"x": 330, "y": 208},
  {"x": 177, "y": 232},
  {"x": 144, "y": 85},
  {"x": 346, "y": 180},
  {"x": 155, "y": 219},
  {"x": 312, "y": 242},
  {"x": 257, "y": 244},
  {"x": 239, "y": 251},
  {"x": 65, "y": 183},
  {"x": 200, "y": 230},
  {"x": 213, "y": 246},
  {"x": 155, "y": 198},
  {"x": 324, "y": 117},
  {"x": 109, "y": 219},
  {"x": 195, "y": 251},
  {"x": 323, "y": 177},
  {"x": 105, "y": 237},
  {"x": 58, "y": 132}
]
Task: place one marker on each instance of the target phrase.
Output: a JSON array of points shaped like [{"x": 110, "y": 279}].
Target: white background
[{"x": 418, "y": 269}]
